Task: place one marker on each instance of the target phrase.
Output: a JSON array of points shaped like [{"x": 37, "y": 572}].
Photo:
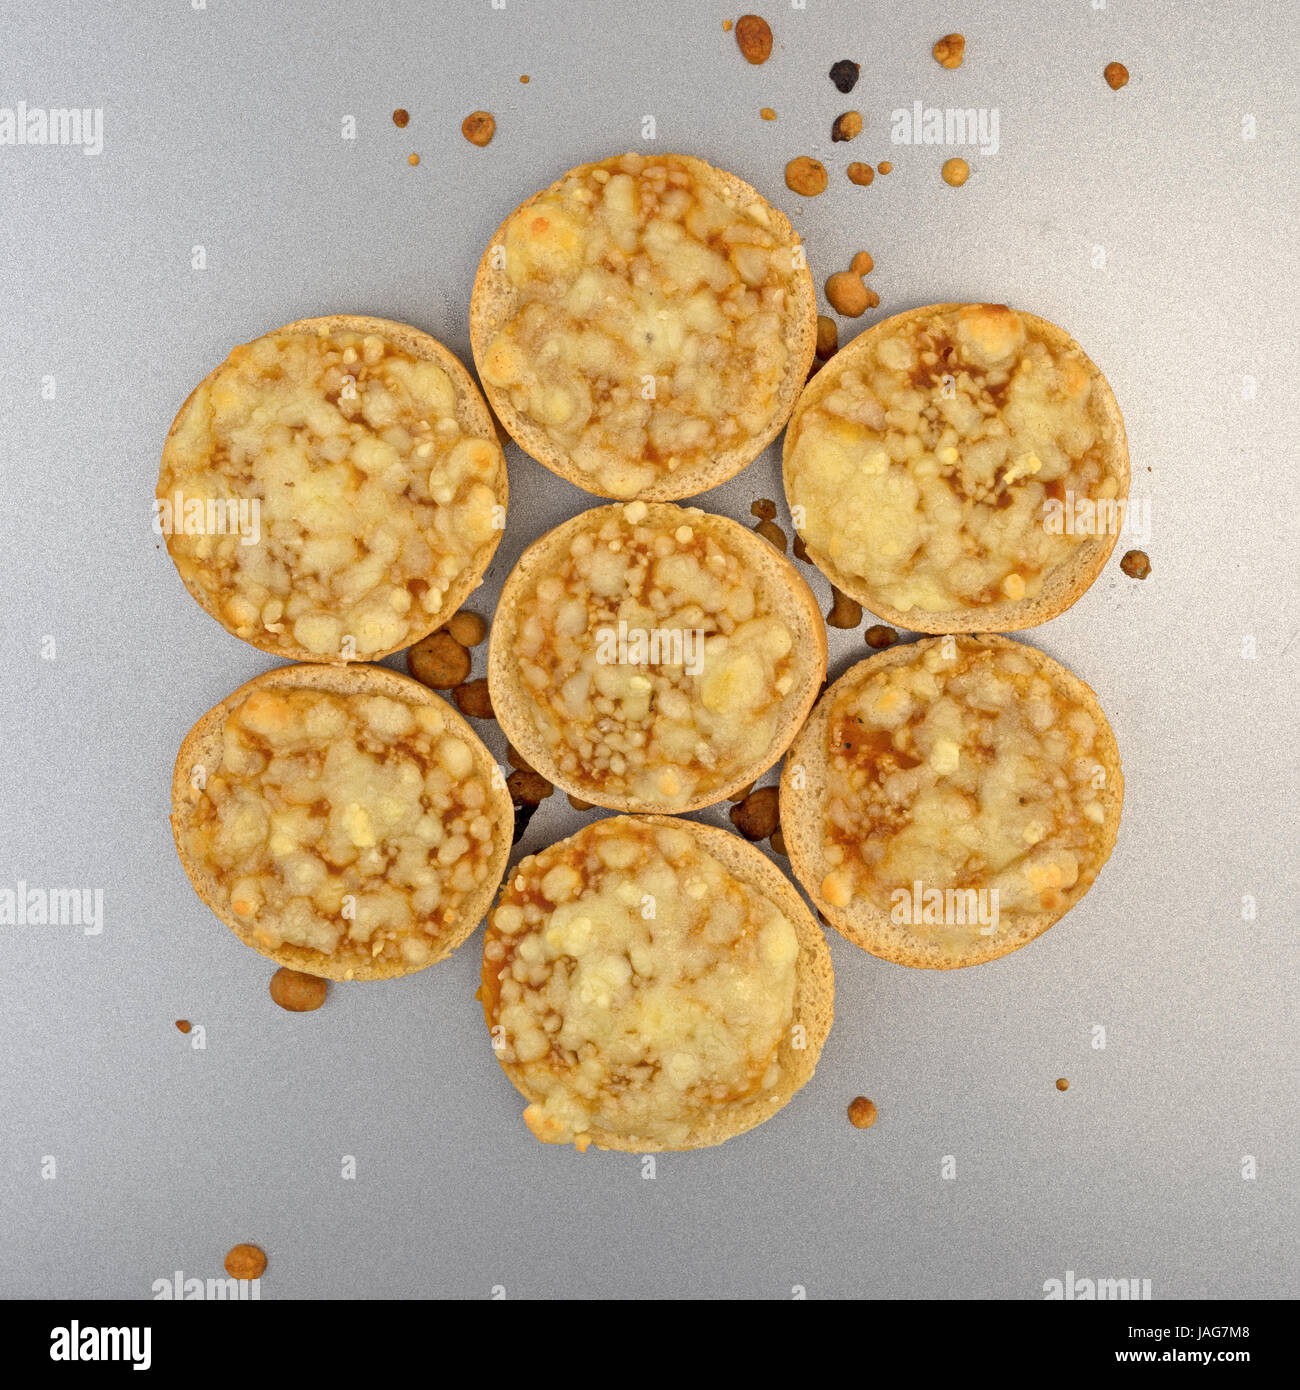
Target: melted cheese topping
[
  {"x": 636, "y": 984},
  {"x": 646, "y": 329},
  {"x": 928, "y": 469},
  {"x": 967, "y": 772},
  {"x": 693, "y": 694},
  {"x": 373, "y": 500},
  {"x": 352, "y": 825}
]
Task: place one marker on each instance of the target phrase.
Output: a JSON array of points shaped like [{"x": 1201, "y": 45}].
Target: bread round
[
  {"x": 802, "y": 1033},
  {"x": 474, "y": 422},
  {"x": 204, "y": 749},
  {"x": 633, "y": 466},
  {"x": 1061, "y": 583},
  {"x": 869, "y": 921},
  {"x": 779, "y": 594}
]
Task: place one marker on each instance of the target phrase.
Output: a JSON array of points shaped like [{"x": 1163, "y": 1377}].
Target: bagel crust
[
  {"x": 334, "y": 489},
  {"x": 643, "y": 326},
  {"x": 949, "y": 799},
  {"x": 343, "y": 821},
  {"x": 650, "y": 657},
  {"x": 959, "y": 468},
  {"x": 651, "y": 984}
]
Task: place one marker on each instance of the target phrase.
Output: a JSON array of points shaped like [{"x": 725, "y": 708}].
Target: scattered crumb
[
  {"x": 183, "y": 1024},
  {"x": 473, "y": 699},
  {"x": 528, "y": 788},
  {"x": 754, "y": 38},
  {"x": 764, "y": 509},
  {"x": 862, "y": 1112},
  {"x": 467, "y": 628},
  {"x": 777, "y": 841},
  {"x": 579, "y": 805},
  {"x": 758, "y": 816},
  {"x": 955, "y": 172},
  {"x": 861, "y": 174},
  {"x": 478, "y": 127},
  {"x": 1135, "y": 564},
  {"x": 438, "y": 660},
  {"x": 846, "y": 126},
  {"x": 949, "y": 51},
  {"x": 800, "y": 551},
  {"x": 845, "y": 611},
  {"x": 726, "y": 26},
  {"x": 806, "y": 176},
  {"x": 828, "y": 337},
  {"x": 1062, "y": 1084},
  {"x": 523, "y": 814},
  {"x": 772, "y": 533},
  {"x": 847, "y": 295},
  {"x": 845, "y": 74},
  {"x": 879, "y": 636},
  {"x": 246, "y": 1262},
  {"x": 1116, "y": 75},
  {"x": 525, "y": 79},
  {"x": 412, "y": 160},
  {"x": 401, "y": 118},
  {"x": 296, "y": 992},
  {"x": 885, "y": 168},
  {"x": 767, "y": 113}
]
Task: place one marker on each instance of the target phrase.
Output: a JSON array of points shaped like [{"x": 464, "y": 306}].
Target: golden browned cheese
[
  {"x": 374, "y": 501},
  {"x": 352, "y": 826},
  {"x": 963, "y": 771},
  {"x": 655, "y": 660},
  {"x": 647, "y": 331},
  {"x": 928, "y": 469},
  {"x": 636, "y": 986}
]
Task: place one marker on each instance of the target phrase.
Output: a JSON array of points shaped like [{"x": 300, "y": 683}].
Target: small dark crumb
[
  {"x": 478, "y": 127},
  {"x": 754, "y": 38},
  {"x": 879, "y": 636},
  {"x": 473, "y": 699},
  {"x": 758, "y": 816},
  {"x": 777, "y": 841},
  {"x": 183, "y": 1024},
  {"x": 1062, "y": 1084},
  {"x": 764, "y": 509},
  {"x": 772, "y": 533},
  {"x": 828, "y": 338},
  {"x": 800, "y": 550},
  {"x": 949, "y": 51},
  {"x": 578, "y": 804},
  {"x": 246, "y": 1262},
  {"x": 845, "y": 74},
  {"x": 401, "y": 118},
  {"x": 817, "y": 365},
  {"x": 1135, "y": 564},
  {"x": 528, "y": 788},
  {"x": 862, "y": 1113},
  {"x": 1116, "y": 75},
  {"x": 845, "y": 611},
  {"x": 523, "y": 814}
]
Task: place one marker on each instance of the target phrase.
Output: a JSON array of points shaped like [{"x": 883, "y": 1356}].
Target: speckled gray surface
[{"x": 222, "y": 129}]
